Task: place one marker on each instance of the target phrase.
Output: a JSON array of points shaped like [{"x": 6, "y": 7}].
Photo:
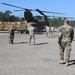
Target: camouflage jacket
[
  {"x": 11, "y": 31},
  {"x": 66, "y": 33}
]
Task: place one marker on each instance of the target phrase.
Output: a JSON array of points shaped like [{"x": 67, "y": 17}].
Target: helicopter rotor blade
[
  {"x": 17, "y": 7},
  {"x": 40, "y": 12},
  {"x": 49, "y": 12},
  {"x": 12, "y": 5},
  {"x": 30, "y": 9},
  {"x": 53, "y": 12},
  {"x": 61, "y": 17},
  {"x": 68, "y": 17},
  {"x": 18, "y": 10}
]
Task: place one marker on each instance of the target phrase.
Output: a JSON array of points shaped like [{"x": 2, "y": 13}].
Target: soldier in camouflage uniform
[
  {"x": 11, "y": 36},
  {"x": 66, "y": 35}
]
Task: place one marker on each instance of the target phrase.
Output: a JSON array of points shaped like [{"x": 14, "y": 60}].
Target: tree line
[
  {"x": 60, "y": 21},
  {"x": 8, "y": 17}
]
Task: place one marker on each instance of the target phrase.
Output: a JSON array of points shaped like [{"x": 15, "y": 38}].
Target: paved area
[{"x": 41, "y": 59}]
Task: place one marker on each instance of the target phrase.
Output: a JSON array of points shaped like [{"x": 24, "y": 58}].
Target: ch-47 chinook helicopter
[{"x": 28, "y": 16}]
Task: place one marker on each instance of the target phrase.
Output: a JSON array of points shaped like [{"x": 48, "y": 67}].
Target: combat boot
[
  {"x": 67, "y": 59},
  {"x": 61, "y": 62},
  {"x": 67, "y": 64},
  {"x": 11, "y": 41}
]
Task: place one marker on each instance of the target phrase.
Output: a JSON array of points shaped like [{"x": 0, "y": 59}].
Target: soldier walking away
[
  {"x": 31, "y": 34},
  {"x": 52, "y": 31},
  {"x": 11, "y": 36},
  {"x": 47, "y": 31},
  {"x": 65, "y": 38}
]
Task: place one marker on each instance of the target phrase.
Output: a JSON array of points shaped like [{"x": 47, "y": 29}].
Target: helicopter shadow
[
  {"x": 20, "y": 42},
  {"x": 72, "y": 62},
  {"x": 41, "y": 43}
]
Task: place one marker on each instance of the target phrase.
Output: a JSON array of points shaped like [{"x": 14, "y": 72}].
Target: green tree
[
  {"x": 12, "y": 18},
  {"x": 53, "y": 22},
  {"x": 7, "y": 15},
  {"x": 1, "y": 16},
  {"x": 59, "y": 21}
]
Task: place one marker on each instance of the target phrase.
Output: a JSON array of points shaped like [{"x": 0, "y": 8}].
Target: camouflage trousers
[
  {"x": 11, "y": 38},
  {"x": 65, "y": 48}
]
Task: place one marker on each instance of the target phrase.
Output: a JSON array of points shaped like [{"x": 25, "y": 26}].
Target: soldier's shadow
[
  {"x": 20, "y": 42},
  {"x": 41, "y": 43},
  {"x": 72, "y": 62}
]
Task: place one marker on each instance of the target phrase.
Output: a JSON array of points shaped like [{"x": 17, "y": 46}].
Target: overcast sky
[{"x": 62, "y": 6}]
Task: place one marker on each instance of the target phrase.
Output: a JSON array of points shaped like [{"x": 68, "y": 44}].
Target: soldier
[
  {"x": 47, "y": 31},
  {"x": 32, "y": 34},
  {"x": 65, "y": 38},
  {"x": 11, "y": 36},
  {"x": 52, "y": 31}
]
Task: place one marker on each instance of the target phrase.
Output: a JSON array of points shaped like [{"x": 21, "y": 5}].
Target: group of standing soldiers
[
  {"x": 65, "y": 38},
  {"x": 49, "y": 30},
  {"x": 31, "y": 31}
]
